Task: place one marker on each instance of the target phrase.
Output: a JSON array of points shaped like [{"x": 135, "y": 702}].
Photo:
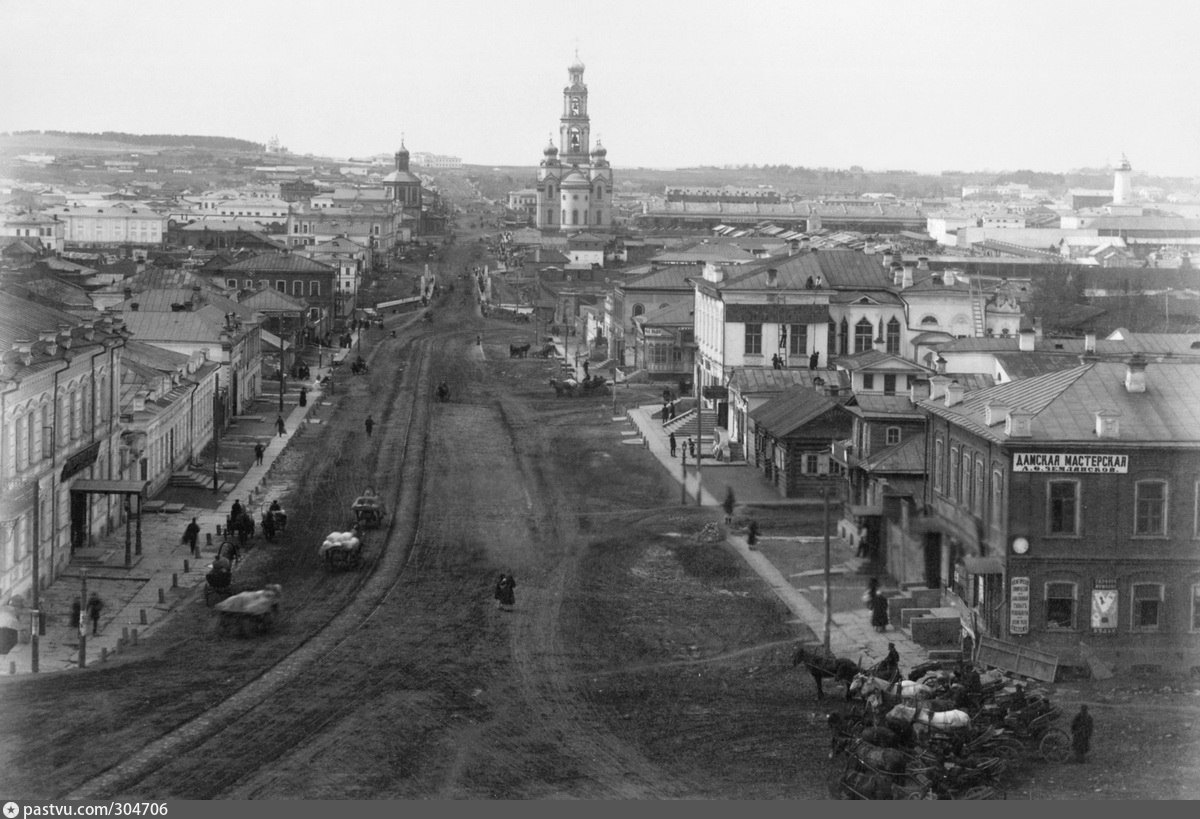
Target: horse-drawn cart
[
  {"x": 250, "y": 612},
  {"x": 369, "y": 510},
  {"x": 342, "y": 550}
]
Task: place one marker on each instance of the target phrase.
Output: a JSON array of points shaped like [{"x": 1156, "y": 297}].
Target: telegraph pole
[
  {"x": 699, "y": 444},
  {"x": 828, "y": 591},
  {"x": 37, "y": 578}
]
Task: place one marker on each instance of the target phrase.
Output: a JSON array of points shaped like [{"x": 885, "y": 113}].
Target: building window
[
  {"x": 1060, "y": 606},
  {"x": 868, "y": 381},
  {"x": 889, "y": 385},
  {"x": 1196, "y": 607},
  {"x": 798, "y": 339},
  {"x": 753, "y": 339},
  {"x": 231, "y": 283},
  {"x": 843, "y": 337},
  {"x": 297, "y": 288},
  {"x": 929, "y": 321},
  {"x": 955, "y": 486},
  {"x": 831, "y": 340},
  {"x": 1147, "y": 606},
  {"x": 281, "y": 285},
  {"x": 893, "y": 336},
  {"x": 812, "y": 464},
  {"x": 939, "y": 454},
  {"x": 997, "y": 497},
  {"x": 864, "y": 335},
  {"x": 1062, "y": 508},
  {"x": 1150, "y": 508},
  {"x": 968, "y": 484},
  {"x": 314, "y": 288},
  {"x": 892, "y": 436}
]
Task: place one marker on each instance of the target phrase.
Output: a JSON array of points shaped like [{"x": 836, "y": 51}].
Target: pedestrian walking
[
  {"x": 728, "y": 504},
  {"x": 279, "y": 425},
  {"x": 191, "y": 536},
  {"x": 76, "y": 611},
  {"x": 889, "y": 668},
  {"x": 812, "y": 360},
  {"x": 369, "y": 424},
  {"x": 94, "y": 606},
  {"x": 752, "y": 534},
  {"x": 692, "y": 448},
  {"x": 879, "y": 612},
  {"x": 671, "y": 441},
  {"x": 304, "y": 396},
  {"x": 1081, "y": 734},
  {"x": 259, "y": 450},
  {"x": 505, "y": 598}
]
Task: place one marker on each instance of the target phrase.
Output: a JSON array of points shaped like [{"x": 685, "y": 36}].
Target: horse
[
  {"x": 443, "y": 392},
  {"x": 518, "y": 350},
  {"x": 822, "y": 665},
  {"x": 562, "y": 388},
  {"x": 925, "y": 720}
]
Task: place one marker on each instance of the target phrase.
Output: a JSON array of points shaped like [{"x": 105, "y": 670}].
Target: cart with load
[
  {"x": 274, "y": 520},
  {"x": 369, "y": 510},
  {"x": 250, "y": 612},
  {"x": 342, "y": 550}
]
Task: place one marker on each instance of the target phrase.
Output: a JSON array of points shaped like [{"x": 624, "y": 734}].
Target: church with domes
[{"x": 574, "y": 180}]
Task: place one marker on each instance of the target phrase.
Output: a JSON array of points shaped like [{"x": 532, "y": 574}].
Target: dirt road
[{"x": 642, "y": 660}]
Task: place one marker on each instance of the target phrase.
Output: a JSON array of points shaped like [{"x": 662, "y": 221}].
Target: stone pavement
[
  {"x": 141, "y": 597},
  {"x": 851, "y": 634}
]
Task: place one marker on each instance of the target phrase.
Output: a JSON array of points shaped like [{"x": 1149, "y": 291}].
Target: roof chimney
[
  {"x": 897, "y": 273},
  {"x": 888, "y": 258},
  {"x": 1108, "y": 424},
  {"x": 793, "y": 247},
  {"x": 128, "y": 293},
  {"x": 922, "y": 263},
  {"x": 918, "y": 391},
  {"x": 906, "y": 278},
  {"x": 1026, "y": 342},
  {"x": 772, "y": 277},
  {"x": 1135, "y": 373},
  {"x": 940, "y": 364},
  {"x": 995, "y": 413},
  {"x": 954, "y": 393},
  {"x": 1019, "y": 424},
  {"x": 1089, "y": 343},
  {"x": 937, "y": 386}
]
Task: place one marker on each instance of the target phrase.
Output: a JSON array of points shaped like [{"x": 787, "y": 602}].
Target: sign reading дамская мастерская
[{"x": 1069, "y": 462}]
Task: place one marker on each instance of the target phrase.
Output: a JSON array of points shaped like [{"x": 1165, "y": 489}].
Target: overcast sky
[{"x": 928, "y": 86}]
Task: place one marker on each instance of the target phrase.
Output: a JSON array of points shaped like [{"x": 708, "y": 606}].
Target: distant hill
[{"x": 110, "y": 140}]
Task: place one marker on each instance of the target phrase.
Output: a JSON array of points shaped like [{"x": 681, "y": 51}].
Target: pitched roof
[
  {"x": 1064, "y": 404},
  {"x": 270, "y": 300},
  {"x": 878, "y": 360},
  {"x": 673, "y": 277},
  {"x": 877, "y": 404},
  {"x": 278, "y": 263},
  {"x": 908, "y": 456},
  {"x": 792, "y": 409},
  {"x": 837, "y": 269}
]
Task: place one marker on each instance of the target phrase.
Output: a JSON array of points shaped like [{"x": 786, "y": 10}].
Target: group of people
[{"x": 94, "y": 606}]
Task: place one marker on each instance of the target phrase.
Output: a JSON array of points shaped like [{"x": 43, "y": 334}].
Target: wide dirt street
[{"x": 642, "y": 659}]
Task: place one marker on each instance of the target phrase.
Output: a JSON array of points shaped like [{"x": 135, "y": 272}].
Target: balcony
[{"x": 843, "y": 453}]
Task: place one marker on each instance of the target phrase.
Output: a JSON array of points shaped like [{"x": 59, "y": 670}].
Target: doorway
[{"x": 933, "y": 560}]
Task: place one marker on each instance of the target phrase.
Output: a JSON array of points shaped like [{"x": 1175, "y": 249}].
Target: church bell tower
[{"x": 574, "y": 139}]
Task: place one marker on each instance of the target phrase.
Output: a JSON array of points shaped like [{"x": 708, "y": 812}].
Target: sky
[{"x": 886, "y": 84}]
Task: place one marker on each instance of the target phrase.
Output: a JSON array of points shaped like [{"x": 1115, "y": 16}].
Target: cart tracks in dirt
[{"x": 224, "y": 732}]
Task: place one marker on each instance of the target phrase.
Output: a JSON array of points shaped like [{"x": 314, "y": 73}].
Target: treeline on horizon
[{"x": 163, "y": 140}]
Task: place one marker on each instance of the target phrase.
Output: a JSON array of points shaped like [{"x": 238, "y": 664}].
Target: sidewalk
[
  {"x": 141, "y": 597},
  {"x": 851, "y": 634}
]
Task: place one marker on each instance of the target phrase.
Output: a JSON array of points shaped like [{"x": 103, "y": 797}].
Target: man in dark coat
[
  {"x": 879, "y": 612},
  {"x": 280, "y": 425},
  {"x": 369, "y": 424},
  {"x": 671, "y": 441},
  {"x": 1081, "y": 734},
  {"x": 94, "y": 606},
  {"x": 191, "y": 536},
  {"x": 259, "y": 450}
]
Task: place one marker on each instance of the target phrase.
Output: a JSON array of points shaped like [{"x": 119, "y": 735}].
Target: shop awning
[
  {"x": 99, "y": 487},
  {"x": 983, "y": 565}
]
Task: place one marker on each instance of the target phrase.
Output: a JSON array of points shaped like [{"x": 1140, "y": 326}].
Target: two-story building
[
  {"x": 1062, "y": 512},
  {"x": 62, "y": 459}
]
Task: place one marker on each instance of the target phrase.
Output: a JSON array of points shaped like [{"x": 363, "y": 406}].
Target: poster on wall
[
  {"x": 1018, "y": 605},
  {"x": 1104, "y": 606}
]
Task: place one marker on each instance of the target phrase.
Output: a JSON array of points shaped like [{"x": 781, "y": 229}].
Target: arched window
[
  {"x": 831, "y": 340},
  {"x": 843, "y": 337},
  {"x": 893, "y": 336},
  {"x": 638, "y": 310},
  {"x": 929, "y": 321},
  {"x": 864, "y": 334}
]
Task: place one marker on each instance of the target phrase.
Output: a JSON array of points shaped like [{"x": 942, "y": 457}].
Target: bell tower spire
[{"x": 574, "y": 126}]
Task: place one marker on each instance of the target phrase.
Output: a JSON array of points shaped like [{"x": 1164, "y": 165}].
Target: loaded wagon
[
  {"x": 342, "y": 550},
  {"x": 369, "y": 510},
  {"x": 250, "y": 612}
]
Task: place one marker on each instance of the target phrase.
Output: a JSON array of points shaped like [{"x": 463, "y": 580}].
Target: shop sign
[
  {"x": 1018, "y": 606},
  {"x": 716, "y": 392},
  {"x": 80, "y": 461},
  {"x": 1069, "y": 462}
]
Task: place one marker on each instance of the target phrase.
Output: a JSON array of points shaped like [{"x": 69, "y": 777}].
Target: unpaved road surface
[{"x": 642, "y": 659}]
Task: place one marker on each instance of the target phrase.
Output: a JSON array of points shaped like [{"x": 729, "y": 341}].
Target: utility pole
[
  {"x": 282, "y": 362},
  {"x": 699, "y": 443},
  {"x": 37, "y": 578},
  {"x": 828, "y": 591},
  {"x": 82, "y": 618}
]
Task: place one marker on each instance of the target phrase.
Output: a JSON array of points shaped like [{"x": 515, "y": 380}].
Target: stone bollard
[
  {"x": 125, "y": 634},
  {"x": 162, "y": 596},
  {"x": 175, "y": 579},
  {"x": 144, "y": 622},
  {"x": 218, "y": 534},
  {"x": 12, "y": 667},
  {"x": 133, "y": 635},
  {"x": 187, "y": 567},
  {"x": 208, "y": 536},
  {"x": 103, "y": 655}
]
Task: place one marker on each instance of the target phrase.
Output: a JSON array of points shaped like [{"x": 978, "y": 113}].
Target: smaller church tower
[{"x": 1123, "y": 183}]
